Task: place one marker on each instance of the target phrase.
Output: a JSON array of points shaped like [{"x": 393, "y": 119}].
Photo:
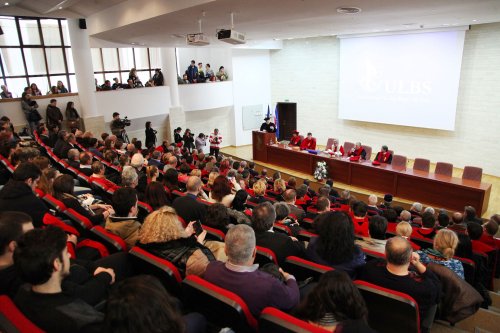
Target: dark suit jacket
[
  {"x": 74, "y": 164},
  {"x": 297, "y": 211},
  {"x": 86, "y": 171},
  {"x": 282, "y": 245},
  {"x": 189, "y": 209},
  {"x": 156, "y": 163}
]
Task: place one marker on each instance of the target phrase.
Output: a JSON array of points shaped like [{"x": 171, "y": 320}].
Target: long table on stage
[{"x": 414, "y": 185}]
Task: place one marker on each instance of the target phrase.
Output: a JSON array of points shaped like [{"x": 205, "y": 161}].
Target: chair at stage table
[
  {"x": 445, "y": 169},
  {"x": 472, "y": 173},
  {"x": 399, "y": 161},
  {"x": 347, "y": 147},
  {"x": 422, "y": 164},
  {"x": 329, "y": 143},
  {"x": 368, "y": 151}
]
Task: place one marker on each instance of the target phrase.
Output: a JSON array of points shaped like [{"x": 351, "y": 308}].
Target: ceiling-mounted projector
[
  {"x": 198, "y": 39},
  {"x": 231, "y": 36}
]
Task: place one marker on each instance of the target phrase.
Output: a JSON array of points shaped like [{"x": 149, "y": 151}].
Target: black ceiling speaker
[{"x": 82, "y": 24}]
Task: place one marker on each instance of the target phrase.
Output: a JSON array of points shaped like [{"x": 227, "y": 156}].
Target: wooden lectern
[{"x": 259, "y": 142}]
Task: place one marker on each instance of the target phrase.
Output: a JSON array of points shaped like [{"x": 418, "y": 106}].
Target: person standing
[
  {"x": 200, "y": 142},
  {"x": 178, "y": 137},
  {"x": 188, "y": 140},
  {"x": 192, "y": 72},
  {"x": 29, "y": 107},
  {"x": 215, "y": 141},
  {"x": 54, "y": 114},
  {"x": 268, "y": 126},
  {"x": 5, "y": 92},
  {"x": 158, "y": 78},
  {"x": 72, "y": 116},
  {"x": 150, "y": 135}
]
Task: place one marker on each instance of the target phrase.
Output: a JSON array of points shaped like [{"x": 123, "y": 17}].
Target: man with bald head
[
  {"x": 421, "y": 284},
  {"x": 187, "y": 206},
  {"x": 172, "y": 163}
]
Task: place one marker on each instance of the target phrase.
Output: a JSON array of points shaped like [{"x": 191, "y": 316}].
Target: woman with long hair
[
  {"x": 72, "y": 116},
  {"x": 238, "y": 208},
  {"x": 152, "y": 173},
  {"x": 221, "y": 190},
  {"x": 335, "y": 303},
  {"x": 156, "y": 196},
  {"x": 188, "y": 139},
  {"x": 150, "y": 135},
  {"x": 335, "y": 245}
]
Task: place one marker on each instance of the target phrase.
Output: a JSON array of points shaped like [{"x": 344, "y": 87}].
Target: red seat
[
  {"x": 145, "y": 207},
  {"x": 469, "y": 269},
  {"x": 329, "y": 143},
  {"x": 373, "y": 254},
  {"x": 79, "y": 221},
  {"x": 214, "y": 234},
  {"x": 368, "y": 151},
  {"x": 12, "y": 320},
  {"x": 303, "y": 269},
  {"x": 144, "y": 262},
  {"x": 112, "y": 242},
  {"x": 472, "y": 173},
  {"x": 6, "y": 164},
  {"x": 265, "y": 256},
  {"x": 348, "y": 146},
  {"x": 445, "y": 169},
  {"x": 399, "y": 161},
  {"x": 306, "y": 235},
  {"x": 272, "y": 320},
  {"x": 49, "y": 219},
  {"x": 282, "y": 228},
  {"x": 221, "y": 307},
  {"x": 422, "y": 164},
  {"x": 53, "y": 203},
  {"x": 389, "y": 311}
]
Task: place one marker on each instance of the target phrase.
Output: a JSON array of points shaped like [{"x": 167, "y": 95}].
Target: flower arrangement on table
[{"x": 320, "y": 173}]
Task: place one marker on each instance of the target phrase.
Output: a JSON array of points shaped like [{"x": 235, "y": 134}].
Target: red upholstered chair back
[
  {"x": 265, "y": 256},
  {"x": 422, "y": 164},
  {"x": 53, "y": 203},
  {"x": 329, "y": 143},
  {"x": 348, "y": 146},
  {"x": 214, "y": 234},
  {"x": 112, "y": 242},
  {"x": 301, "y": 137},
  {"x": 79, "y": 221},
  {"x": 445, "y": 169},
  {"x": 389, "y": 311},
  {"x": 220, "y": 306},
  {"x": 303, "y": 269},
  {"x": 12, "y": 320},
  {"x": 144, "y": 262},
  {"x": 399, "y": 161},
  {"x": 273, "y": 320},
  {"x": 278, "y": 227},
  {"x": 473, "y": 173},
  {"x": 391, "y": 152},
  {"x": 368, "y": 151}
]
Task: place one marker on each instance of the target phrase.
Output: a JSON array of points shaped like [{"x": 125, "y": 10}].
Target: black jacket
[
  {"x": 17, "y": 196},
  {"x": 281, "y": 244},
  {"x": 189, "y": 209}
]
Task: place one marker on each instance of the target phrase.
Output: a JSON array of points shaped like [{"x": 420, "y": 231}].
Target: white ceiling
[
  {"x": 265, "y": 19},
  {"x": 56, "y": 8}
]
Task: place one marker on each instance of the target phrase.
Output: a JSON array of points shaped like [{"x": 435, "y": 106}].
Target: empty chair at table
[
  {"x": 421, "y": 164},
  {"x": 443, "y": 168},
  {"x": 472, "y": 173}
]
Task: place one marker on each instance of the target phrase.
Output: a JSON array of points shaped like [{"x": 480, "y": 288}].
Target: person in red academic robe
[
  {"x": 295, "y": 140},
  {"x": 336, "y": 148},
  {"x": 383, "y": 156},
  {"x": 358, "y": 150},
  {"x": 308, "y": 143}
]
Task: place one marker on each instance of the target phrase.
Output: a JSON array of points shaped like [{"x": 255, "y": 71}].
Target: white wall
[
  {"x": 306, "y": 71},
  {"x": 201, "y": 96},
  {"x": 216, "y": 57},
  {"x": 252, "y": 86},
  {"x": 204, "y": 121}
]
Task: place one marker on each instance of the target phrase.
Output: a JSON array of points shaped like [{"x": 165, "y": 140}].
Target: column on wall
[
  {"x": 82, "y": 59},
  {"x": 177, "y": 117}
]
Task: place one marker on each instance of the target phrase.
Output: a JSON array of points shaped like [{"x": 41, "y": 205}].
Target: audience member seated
[
  {"x": 405, "y": 216},
  {"x": 222, "y": 74},
  {"x": 74, "y": 158},
  {"x": 124, "y": 222},
  {"x": 334, "y": 246},
  {"x": 283, "y": 218},
  {"x": 427, "y": 230},
  {"x": 471, "y": 216},
  {"x": 323, "y": 205},
  {"x": 46, "y": 182},
  {"x": 358, "y": 150},
  {"x": 416, "y": 209},
  {"x": 137, "y": 162},
  {"x": 98, "y": 176},
  {"x": 155, "y": 160},
  {"x": 372, "y": 208},
  {"x": 239, "y": 272},
  {"x": 308, "y": 143},
  {"x": 384, "y": 156},
  {"x": 171, "y": 180},
  {"x": 360, "y": 220},
  {"x": 187, "y": 206},
  {"x": 19, "y": 193},
  {"x": 404, "y": 230},
  {"x": 152, "y": 309},
  {"x": 217, "y": 217},
  {"x": 445, "y": 244},
  {"x": 85, "y": 166},
  {"x": 475, "y": 231},
  {"x": 221, "y": 190},
  {"x": 64, "y": 191},
  {"x": 42, "y": 259},
  {"x": 156, "y": 196},
  {"x": 443, "y": 220},
  {"x": 387, "y": 202},
  {"x": 290, "y": 197},
  {"x": 335, "y": 304},
  {"x": 423, "y": 285},
  {"x": 295, "y": 140},
  {"x": 259, "y": 191},
  {"x": 162, "y": 234},
  {"x": 490, "y": 230},
  {"x": 237, "y": 210},
  {"x": 377, "y": 227}
]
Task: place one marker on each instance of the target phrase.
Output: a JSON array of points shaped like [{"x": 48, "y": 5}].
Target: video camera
[{"x": 126, "y": 121}]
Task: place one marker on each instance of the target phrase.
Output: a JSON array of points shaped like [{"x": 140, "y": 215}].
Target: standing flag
[{"x": 276, "y": 123}]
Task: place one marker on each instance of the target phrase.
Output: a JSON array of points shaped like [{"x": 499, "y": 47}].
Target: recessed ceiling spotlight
[
  {"x": 60, "y": 7},
  {"x": 348, "y": 10},
  {"x": 474, "y": 20},
  {"x": 6, "y": 4},
  {"x": 132, "y": 43}
]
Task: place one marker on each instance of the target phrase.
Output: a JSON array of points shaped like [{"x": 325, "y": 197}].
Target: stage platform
[{"x": 245, "y": 153}]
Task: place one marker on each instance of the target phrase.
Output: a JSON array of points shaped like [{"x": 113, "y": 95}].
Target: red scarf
[{"x": 383, "y": 157}]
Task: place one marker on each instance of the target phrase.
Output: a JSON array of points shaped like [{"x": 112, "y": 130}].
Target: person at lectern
[
  {"x": 308, "y": 143},
  {"x": 295, "y": 140},
  {"x": 358, "y": 150},
  {"x": 384, "y": 156},
  {"x": 268, "y": 126}
]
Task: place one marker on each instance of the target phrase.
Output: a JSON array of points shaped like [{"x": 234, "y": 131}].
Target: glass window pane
[
  {"x": 16, "y": 86},
  {"x": 110, "y": 58},
  {"x": 96, "y": 60},
  {"x": 100, "y": 78},
  {"x": 141, "y": 58},
  {"x": 143, "y": 76},
  {"x": 74, "y": 86},
  {"x": 126, "y": 58},
  {"x": 69, "y": 59},
  {"x": 35, "y": 62},
  {"x": 64, "y": 26},
  {"x": 50, "y": 31},
  {"x": 9, "y": 36},
  {"x": 12, "y": 62},
  {"x": 55, "y": 61},
  {"x": 111, "y": 76},
  {"x": 154, "y": 56},
  {"x": 42, "y": 83},
  {"x": 29, "y": 32}
]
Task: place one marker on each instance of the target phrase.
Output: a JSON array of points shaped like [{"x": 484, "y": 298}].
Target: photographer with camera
[
  {"x": 118, "y": 127},
  {"x": 188, "y": 139},
  {"x": 200, "y": 142}
]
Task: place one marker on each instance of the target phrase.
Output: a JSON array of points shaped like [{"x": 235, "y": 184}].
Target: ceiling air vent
[{"x": 348, "y": 10}]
